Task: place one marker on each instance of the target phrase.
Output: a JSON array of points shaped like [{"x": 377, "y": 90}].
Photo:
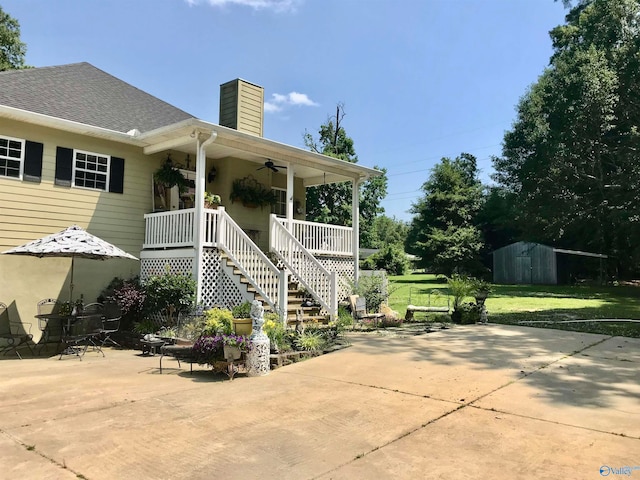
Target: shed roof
[
  {"x": 83, "y": 93},
  {"x": 531, "y": 245}
]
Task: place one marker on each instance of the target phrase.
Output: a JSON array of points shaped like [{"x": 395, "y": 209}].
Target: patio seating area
[{"x": 476, "y": 401}]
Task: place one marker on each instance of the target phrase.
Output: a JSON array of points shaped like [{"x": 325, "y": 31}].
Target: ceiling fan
[{"x": 272, "y": 166}]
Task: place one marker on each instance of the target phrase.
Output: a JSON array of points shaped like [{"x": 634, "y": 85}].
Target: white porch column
[
  {"x": 203, "y": 139},
  {"x": 290, "y": 186},
  {"x": 355, "y": 215}
]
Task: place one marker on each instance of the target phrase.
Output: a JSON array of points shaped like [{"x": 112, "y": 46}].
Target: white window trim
[
  {"x": 283, "y": 215},
  {"x": 23, "y": 144},
  {"x": 73, "y": 170}
]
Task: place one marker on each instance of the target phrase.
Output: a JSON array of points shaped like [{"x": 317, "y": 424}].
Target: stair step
[{"x": 310, "y": 319}]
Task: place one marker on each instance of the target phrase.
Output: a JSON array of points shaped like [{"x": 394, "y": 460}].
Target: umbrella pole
[{"x": 73, "y": 258}]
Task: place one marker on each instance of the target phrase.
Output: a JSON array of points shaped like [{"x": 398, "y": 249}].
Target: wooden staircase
[{"x": 295, "y": 299}]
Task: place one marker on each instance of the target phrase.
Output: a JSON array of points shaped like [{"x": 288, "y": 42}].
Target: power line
[
  {"x": 449, "y": 135},
  {"x": 426, "y": 169}
]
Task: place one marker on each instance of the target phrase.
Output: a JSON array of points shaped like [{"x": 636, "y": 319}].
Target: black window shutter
[
  {"x": 64, "y": 166},
  {"x": 116, "y": 175},
  {"x": 32, "y": 162}
]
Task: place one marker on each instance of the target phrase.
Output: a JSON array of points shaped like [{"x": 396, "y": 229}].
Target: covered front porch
[{"x": 255, "y": 252}]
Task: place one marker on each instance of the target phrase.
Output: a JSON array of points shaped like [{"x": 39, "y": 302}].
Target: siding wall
[{"x": 32, "y": 210}]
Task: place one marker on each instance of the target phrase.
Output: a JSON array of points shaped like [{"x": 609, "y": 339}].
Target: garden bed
[{"x": 278, "y": 360}]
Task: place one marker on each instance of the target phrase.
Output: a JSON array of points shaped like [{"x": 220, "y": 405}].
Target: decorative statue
[
  {"x": 257, "y": 316},
  {"x": 258, "y": 356}
]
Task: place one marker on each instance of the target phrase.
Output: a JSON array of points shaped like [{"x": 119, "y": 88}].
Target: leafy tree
[
  {"x": 499, "y": 218},
  {"x": 388, "y": 231},
  {"x": 570, "y": 158},
  {"x": 443, "y": 232},
  {"x": 12, "y": 50},
  {"x": 331, "y": 203},
  {"x": 391, "y": 258}
]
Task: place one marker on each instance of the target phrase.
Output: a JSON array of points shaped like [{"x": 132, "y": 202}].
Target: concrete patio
[{"x": 470, "y": 402}]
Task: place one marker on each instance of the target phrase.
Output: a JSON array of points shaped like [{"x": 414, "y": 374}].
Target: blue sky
[{"x": 420, "y": 79}]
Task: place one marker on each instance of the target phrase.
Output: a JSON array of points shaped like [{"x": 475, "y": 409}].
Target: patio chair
[
  {"x": 80, "y": 334},
  {"x": 112, "y": 315},
  {"x": 49, "y": 323},
  {"x": 359, "y": 310},
  {"x": 96, "y": 312},
  {"x": 16, "y": 336}
]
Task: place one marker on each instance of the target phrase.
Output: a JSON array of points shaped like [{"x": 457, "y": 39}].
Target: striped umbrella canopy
[{"x": 72, "y": 242}]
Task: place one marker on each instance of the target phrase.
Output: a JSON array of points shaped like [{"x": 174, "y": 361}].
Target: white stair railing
[
  {"x": 270, "y": 283},
  {"x": 318, "y": 281}
]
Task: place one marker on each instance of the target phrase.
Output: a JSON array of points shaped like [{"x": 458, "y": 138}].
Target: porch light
[{"x": 212, "y": 174}]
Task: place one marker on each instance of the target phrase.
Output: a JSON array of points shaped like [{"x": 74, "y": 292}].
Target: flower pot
[
  {"x": 242, "y": 326},
  {"x": 231, "y": 352}
]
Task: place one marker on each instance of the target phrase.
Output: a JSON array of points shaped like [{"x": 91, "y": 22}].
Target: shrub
[
  {"x": 218, "y": 321},
  {"x": 345, "y": 318},
  {"x": 130, "y": 295},
  {"x": 146, "y": 325},
  {"x": 466, "y": 313},
  {"x": 276, "y": 332},
  {"x": 391, "y": 258},
  {"x": 310, "y": 341},
  {"x": 372, "y": 288},
  {"x": 170, "y": 291}
]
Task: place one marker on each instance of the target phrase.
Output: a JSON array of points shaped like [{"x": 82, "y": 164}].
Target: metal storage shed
[{"x": 531, "y": 263}]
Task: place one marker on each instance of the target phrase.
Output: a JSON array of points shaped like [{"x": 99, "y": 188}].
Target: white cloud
[
  {"x": 275, "y": 5},
  {"x": 279, "y": 101}
]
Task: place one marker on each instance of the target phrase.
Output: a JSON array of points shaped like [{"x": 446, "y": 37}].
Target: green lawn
[{"x": 513, "y": 304}]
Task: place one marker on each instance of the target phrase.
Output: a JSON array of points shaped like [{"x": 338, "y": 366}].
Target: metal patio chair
[
  {"x": 16, "y": 336},
  {"x": 112, "y": 315},
  {"x": 49, "y": 323}
]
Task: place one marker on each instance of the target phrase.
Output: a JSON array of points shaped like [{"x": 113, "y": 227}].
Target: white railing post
[
  {"x": 334, "y": 295},
  {"x": 283, "y": 298}
]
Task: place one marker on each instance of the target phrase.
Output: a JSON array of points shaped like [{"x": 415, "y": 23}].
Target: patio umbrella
[{"x": 72, "y": 242}]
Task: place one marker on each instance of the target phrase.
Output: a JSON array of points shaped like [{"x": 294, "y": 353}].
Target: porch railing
[
  {"x": 175, "y": 228},
  {"x": 321, "y": 283},
  {"x": 321, "y": 238},
  {"x": 269, "y": 282},
  {"x": 169, "y": 229}
]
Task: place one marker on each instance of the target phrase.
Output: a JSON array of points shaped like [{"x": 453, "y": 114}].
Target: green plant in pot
[
  {"x": 251, "y": 193},
  {"x": 211, "y": 200},
  {"x": 169, "y": 176},
  {"x": 460, "y": 287}
]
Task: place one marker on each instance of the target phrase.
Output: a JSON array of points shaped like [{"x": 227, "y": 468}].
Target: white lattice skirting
[
  {"x": 345, "y": 270},
  {"x": 218, "y": 287}
]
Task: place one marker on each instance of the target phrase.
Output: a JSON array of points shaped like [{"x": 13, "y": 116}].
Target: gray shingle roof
[{"x": 86, "y": 94}]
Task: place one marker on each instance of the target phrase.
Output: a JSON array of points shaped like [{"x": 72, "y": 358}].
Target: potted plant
[
  {"x": 211, "y": 348},
  {"x": 460, "y": 287},
  {"x": 211, "y": 200},
  {"x": 169, "y": 176},
  {"x": 242, "y": 323},
  {"x": 251, "y": 193},
  {"x": 234, "y": 345}
]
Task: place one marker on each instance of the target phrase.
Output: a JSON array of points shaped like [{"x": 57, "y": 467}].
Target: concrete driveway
[{"x": 471, "y": 402}]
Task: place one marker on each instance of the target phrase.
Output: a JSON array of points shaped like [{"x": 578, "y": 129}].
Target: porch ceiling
[{"x": 313, "y": 168}]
